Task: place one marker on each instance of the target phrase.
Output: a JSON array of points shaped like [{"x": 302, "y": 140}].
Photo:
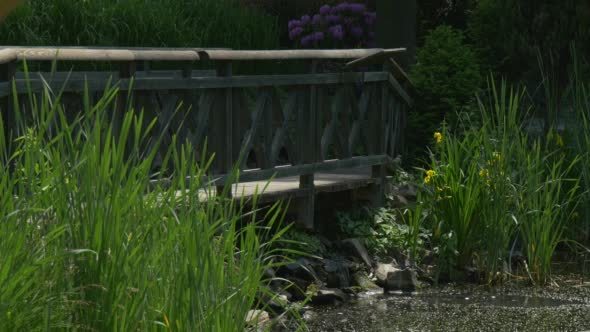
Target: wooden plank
[
  {"x": 156, "y": 54},
  {"x": 7, "y": 55},
  {"x": 288, "y": 171},
  {"x": 94, "y": 54},
  {"x": 238, "y": 55},
  {"x": 379, "y": 171},
  {"x": 93, "y": 76},
  {"x": 398, "y": 71},
  {"x": 398, "y": 88},
  {"x": 205, "y": 82},
  {"x": 375, "y": 58},
  {"x": 7, "y": 72}
]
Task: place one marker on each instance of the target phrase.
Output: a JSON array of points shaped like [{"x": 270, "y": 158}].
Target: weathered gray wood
[
  {"x": 204, "y": 82},
  {"x": 282, "y": 138},
  {"x": 294, "y": 170},
  {"x": 358, "y": 132},
  {"x": 379, "y": 171},
  {"x": 7, "y": 73},
  {"x": 263, "y": 102},
  {"x": 239, "y": 55},
  {"x": 88, "y": 54},
  {"x": 308, "y": 134},
  {"x": 402, "y": 93},
  {"x": 337, "y": 131},
  {"x": 375, "y": 58},
  {"x": 154, "y": 54},
  {"x": 7, "y": 56},
  {"x": 104, "y": 76}
]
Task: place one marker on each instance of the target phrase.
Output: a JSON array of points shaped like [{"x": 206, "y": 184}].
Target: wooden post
[
  {"x": 396, "y": 27},
  {"x": 379, "y": 124},
  {"x": 7, "y": 73},
  {"x": 308, "y": 143},
  {"x": 223, "y": 145}
]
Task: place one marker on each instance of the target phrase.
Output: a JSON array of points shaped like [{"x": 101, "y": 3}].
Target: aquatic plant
[{"x": 90, "y": 242}]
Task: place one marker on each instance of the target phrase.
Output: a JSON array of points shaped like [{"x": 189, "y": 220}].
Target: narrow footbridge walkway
[{"x": 315, "y": 121}]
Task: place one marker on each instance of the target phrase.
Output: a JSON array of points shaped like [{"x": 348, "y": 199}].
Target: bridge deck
[{"x": 288, "y": 187}]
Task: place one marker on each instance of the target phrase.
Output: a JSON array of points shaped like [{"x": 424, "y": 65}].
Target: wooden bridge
[{"x": 335, "y": 125}]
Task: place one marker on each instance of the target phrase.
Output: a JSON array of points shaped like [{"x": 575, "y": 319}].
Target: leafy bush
[
  {"x": 447, "y": 77},
  {"x": 382, "y": 230}
]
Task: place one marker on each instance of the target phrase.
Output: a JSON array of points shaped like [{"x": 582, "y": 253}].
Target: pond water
[{"x": 453, "y": 308}]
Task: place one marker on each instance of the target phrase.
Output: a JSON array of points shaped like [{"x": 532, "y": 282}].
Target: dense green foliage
[
  {"x": 447, "y": 78},
  {"x": 510, "y": 33},
  {"x": 495, "y": 188},
  {"x": 171, "y": 23},
  {"x": 88, "y": 244}
]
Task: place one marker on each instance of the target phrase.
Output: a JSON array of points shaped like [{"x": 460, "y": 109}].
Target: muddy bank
[{"x": 564, "y": 306}]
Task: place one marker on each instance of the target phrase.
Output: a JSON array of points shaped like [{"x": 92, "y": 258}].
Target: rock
[
  {"x": 363, "y": 281},
  {"x": 302, "y": 269},
  {"x": 296, "y": 287},
  {"x": 269, "y": 274},
  {"x": 257, "y": 318},
  {"x": 357, "y": 249},
  {"x": 408, "y": 191},
  {"x": 329, "y": 296},
  {"x": 392, "y": 278},
  {"x": 337, "y": 274}
]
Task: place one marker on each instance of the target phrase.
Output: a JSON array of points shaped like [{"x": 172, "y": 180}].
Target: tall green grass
[
  {"x": 493, "y": 185},
  {"x": 88, "y": 244},
  {"x": 142, "y": 23}
]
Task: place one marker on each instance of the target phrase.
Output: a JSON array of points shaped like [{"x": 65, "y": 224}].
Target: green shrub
[
  {"x": 382, "y": 230},
  {"x": 447, "y": 78}
]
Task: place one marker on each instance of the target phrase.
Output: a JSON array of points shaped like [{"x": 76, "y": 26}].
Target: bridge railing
[{"x": 350, "y": 115}]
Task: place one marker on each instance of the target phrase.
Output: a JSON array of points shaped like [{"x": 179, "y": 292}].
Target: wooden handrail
[{"x": 8, "y": 54}]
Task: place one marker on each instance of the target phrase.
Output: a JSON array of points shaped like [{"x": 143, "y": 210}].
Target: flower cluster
[
  {"x": 347, "y": 24},
  {"x": 438, "y": 137},
  {"x": 430, "y": 174}
]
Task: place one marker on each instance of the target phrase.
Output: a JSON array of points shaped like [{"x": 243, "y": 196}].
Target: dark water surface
[{"x": 462, "y": 308}]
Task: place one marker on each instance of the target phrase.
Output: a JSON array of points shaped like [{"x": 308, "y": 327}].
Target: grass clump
[
  {"x": 495, "y": 187},
  {"x": 141, "y": 23},
  {"x": 88, "y": 243}
]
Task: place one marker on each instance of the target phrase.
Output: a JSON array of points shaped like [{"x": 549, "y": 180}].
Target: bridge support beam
[{"x": 309, "y": 142}]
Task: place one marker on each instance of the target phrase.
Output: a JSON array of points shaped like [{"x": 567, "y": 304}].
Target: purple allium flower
[
  {"x": 317, "y": 19},
  {"x": 305, "y": 19},
  {"x": 356, "y": 8},
  {"x": 348, "y": 21},
  {"x": 356, "y": 32},
  {"x": 325, "y": 10},
  {"x": 342, "y": 7},
  {"x": 318, "y": 36},
  {"x": 333, "y": 19},
  {"x": 337, "y": 32},
  {"x": 295, "y": 32},
  {"x": 306, "y": 40},
  {"x": 293, "y": 24}
]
